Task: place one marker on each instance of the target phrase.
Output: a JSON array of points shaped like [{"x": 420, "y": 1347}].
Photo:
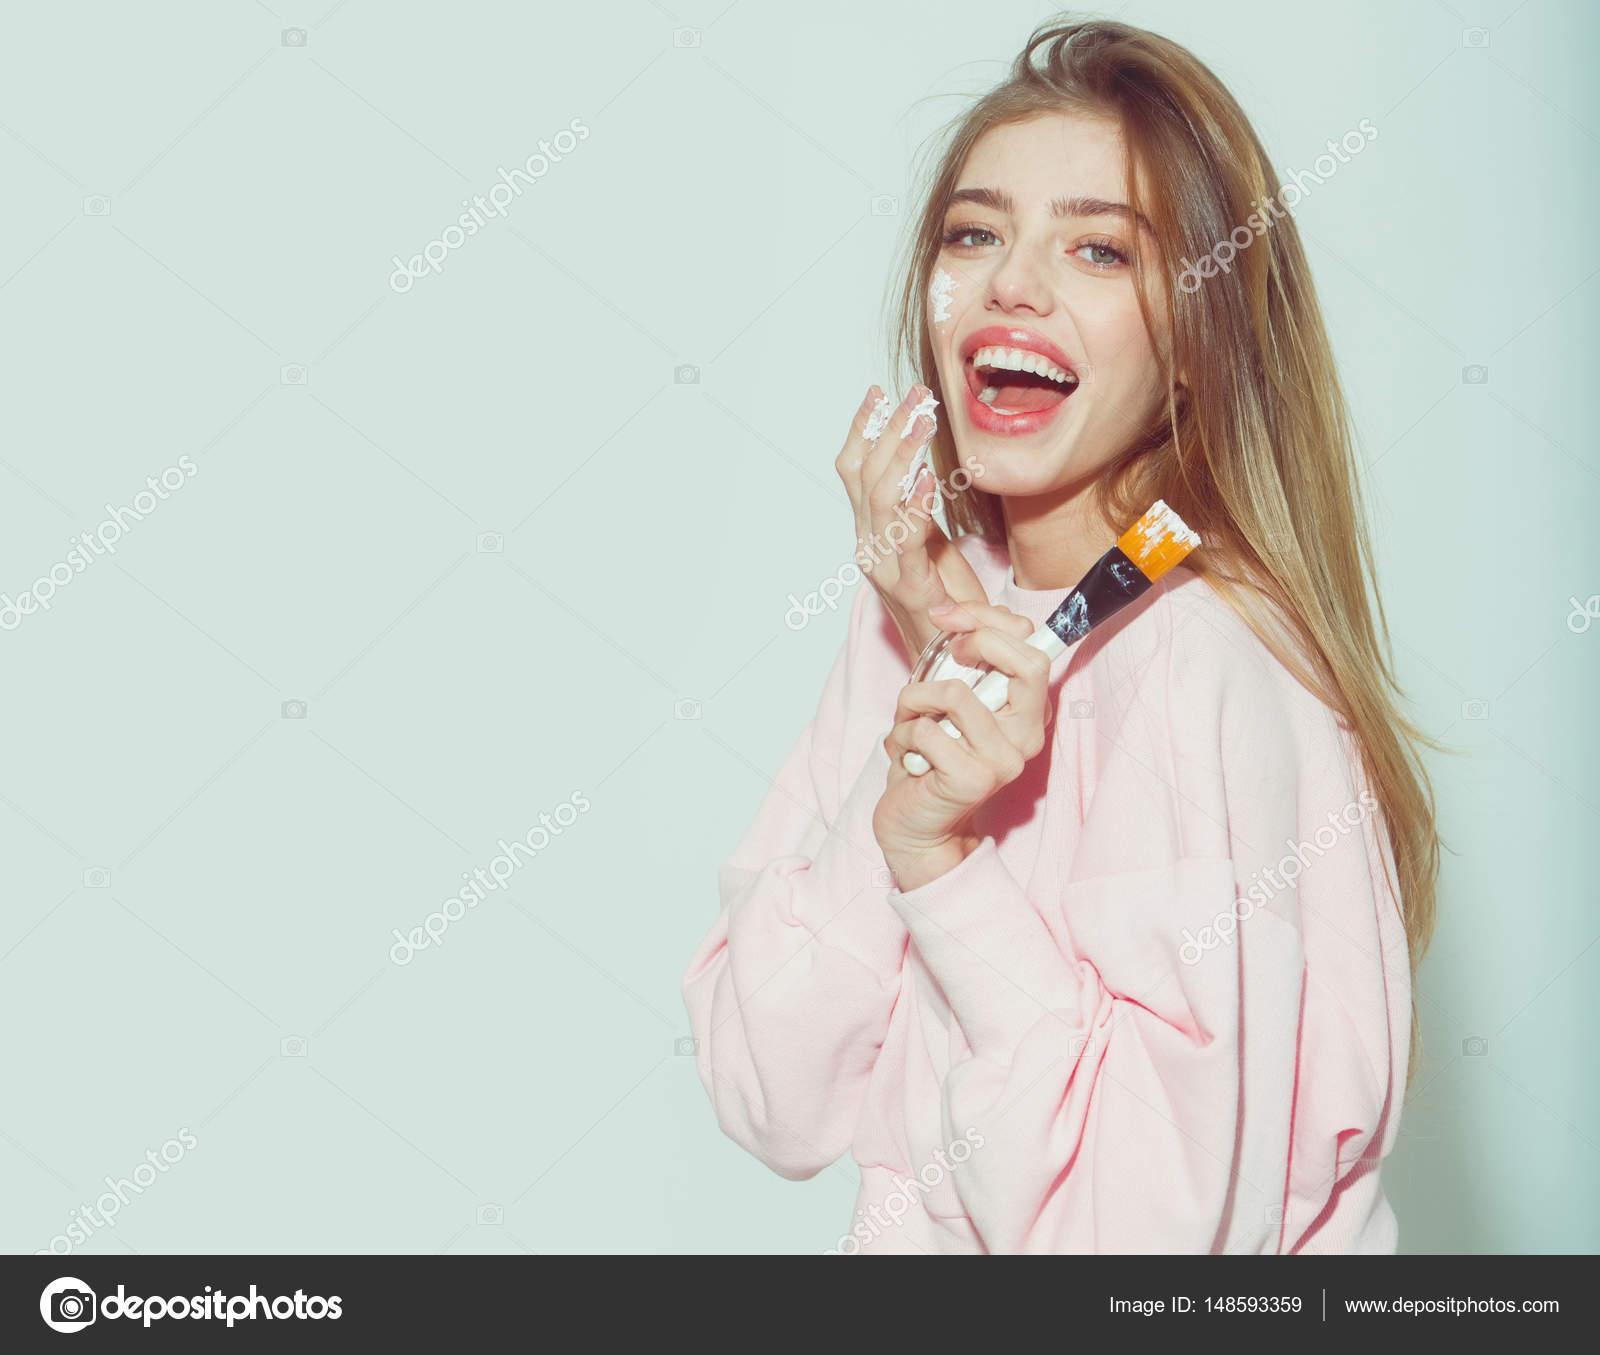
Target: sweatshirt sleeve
[
  {"x": 1159, "y": 1068},
  {"x": 789, "y": 994}
]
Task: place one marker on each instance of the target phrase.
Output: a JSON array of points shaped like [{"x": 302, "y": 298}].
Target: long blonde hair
[{"x": 1253, "y": 448}]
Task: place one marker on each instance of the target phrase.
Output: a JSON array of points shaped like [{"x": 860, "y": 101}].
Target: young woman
[{"x": 1130, "y": 968}]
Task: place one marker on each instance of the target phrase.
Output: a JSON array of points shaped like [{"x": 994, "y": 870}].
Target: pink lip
[{"x": 989, "y": 420}]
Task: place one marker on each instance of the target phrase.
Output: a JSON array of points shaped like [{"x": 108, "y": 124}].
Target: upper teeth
[{"x": 1021, "y": 360}]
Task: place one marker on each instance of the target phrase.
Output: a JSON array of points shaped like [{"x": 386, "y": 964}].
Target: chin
[{"x": 1020, "y": 467}]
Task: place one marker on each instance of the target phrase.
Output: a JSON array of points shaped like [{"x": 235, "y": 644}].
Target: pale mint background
[{"x": 330, "y": 551}]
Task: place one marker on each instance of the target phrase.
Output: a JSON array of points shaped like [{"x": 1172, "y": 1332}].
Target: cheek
[
  {"x": 1119, "y": 347},
  {"x": 957, "y": 285}
]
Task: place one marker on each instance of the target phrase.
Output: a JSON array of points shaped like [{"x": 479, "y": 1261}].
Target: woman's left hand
[{"x": 920, "y": 820}]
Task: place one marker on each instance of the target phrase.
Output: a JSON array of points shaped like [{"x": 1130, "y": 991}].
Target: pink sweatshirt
[{"x": 1163, "y": 1007}]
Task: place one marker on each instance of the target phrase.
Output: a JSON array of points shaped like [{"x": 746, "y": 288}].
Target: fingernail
[{"x": 943, "y": 608}]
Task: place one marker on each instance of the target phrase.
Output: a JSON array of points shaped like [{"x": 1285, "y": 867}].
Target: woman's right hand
[{"x": 924, "y": 568}]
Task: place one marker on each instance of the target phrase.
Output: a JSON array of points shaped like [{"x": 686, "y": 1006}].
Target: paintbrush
[{"x": 1147, "y": 550}]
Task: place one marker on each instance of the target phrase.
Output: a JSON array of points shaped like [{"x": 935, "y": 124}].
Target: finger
[
  {"x": 961, "y": 775},
  {"x": 901, "y": 427},
  {"x": 909, "y": 540},
  {"x": 1007, "y": 654},
  {"x": 970, "y": 615},
  {"x": 898, "y": 529},
  {"x": 914, "y": 484},
  {"x": 1021, "y": 716},
  {"x": 921, "y": 496},
  {"x": 884, "y": 473},
  {"x": 856, "y": 444},
  {"x": 980, "y": 728},
  {"x": 959, "y": 582}
]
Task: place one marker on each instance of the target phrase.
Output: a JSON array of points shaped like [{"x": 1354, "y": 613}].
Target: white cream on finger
[{"x": 878, "y": 420}]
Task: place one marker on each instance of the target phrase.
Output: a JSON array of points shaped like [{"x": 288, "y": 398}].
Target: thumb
[
  {"x": 958, "y": 579},
  {"x": 950, "y": 615}
]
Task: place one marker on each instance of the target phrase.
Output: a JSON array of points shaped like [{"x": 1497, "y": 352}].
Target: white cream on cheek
[{"x": 940, "y": 290}]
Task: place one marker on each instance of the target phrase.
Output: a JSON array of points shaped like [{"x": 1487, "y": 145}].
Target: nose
[{"x": 1019, "y": 281}]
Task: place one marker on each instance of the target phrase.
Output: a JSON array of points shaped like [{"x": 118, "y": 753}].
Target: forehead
[{"x": 1048, "y": 157}]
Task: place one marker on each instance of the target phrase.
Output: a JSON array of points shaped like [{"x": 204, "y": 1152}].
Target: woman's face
[{"x": 1035, "y": 273}]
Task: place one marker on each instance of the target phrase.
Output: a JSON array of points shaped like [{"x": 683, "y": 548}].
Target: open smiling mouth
[{"x": 1014, "y": 389}]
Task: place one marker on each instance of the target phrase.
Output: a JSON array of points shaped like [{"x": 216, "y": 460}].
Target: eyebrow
[{"x": 999, "y": 201}]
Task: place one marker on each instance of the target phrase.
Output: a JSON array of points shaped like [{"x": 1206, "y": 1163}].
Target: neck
[{"x": 1052, "y": 539}]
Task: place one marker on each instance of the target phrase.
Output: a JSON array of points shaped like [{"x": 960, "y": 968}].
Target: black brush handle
[{"x": 1113, "y": 581}]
